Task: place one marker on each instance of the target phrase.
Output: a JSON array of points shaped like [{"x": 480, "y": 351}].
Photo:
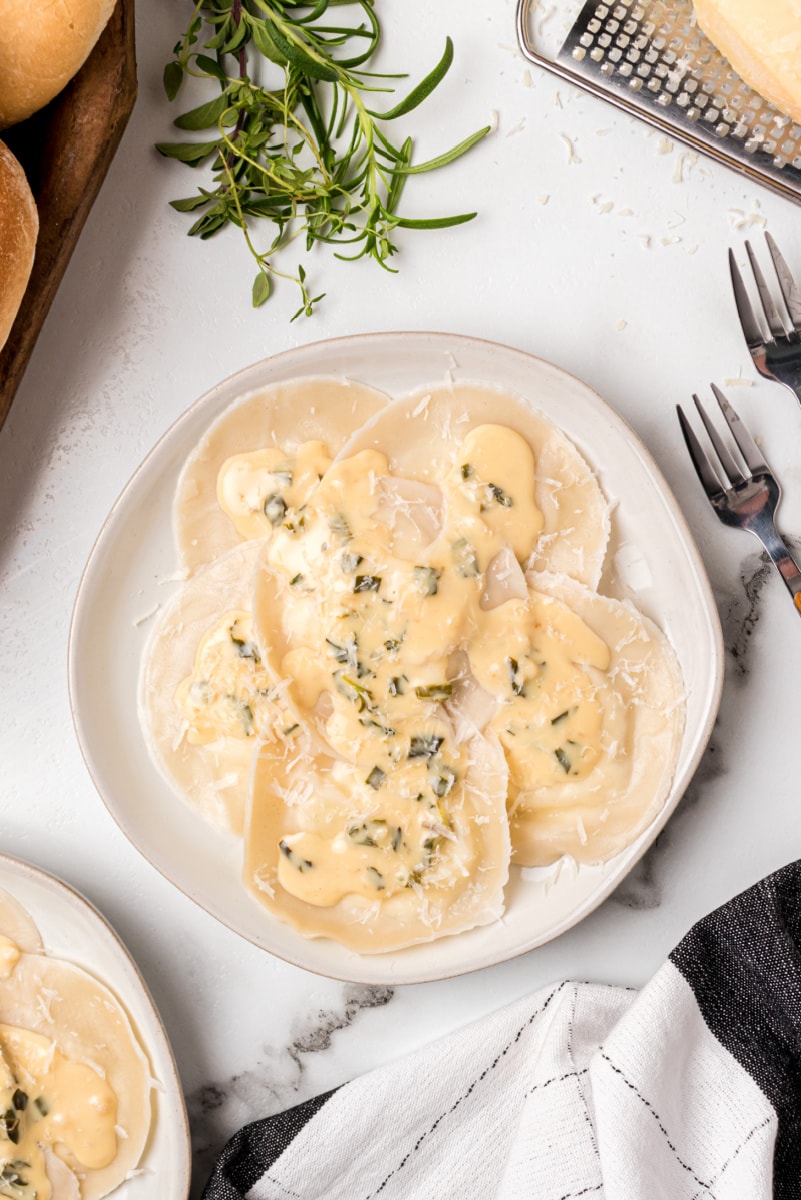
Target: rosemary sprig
[{"x": 308, "y": 154}]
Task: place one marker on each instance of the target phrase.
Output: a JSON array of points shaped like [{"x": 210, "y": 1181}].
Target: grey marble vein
[
  {"x": 274, "y": 1083},
  {"x": 740, "y": 612}
]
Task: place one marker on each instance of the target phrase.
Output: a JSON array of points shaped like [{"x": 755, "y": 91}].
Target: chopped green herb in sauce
[
  {"x": 563, "y": 759},
  {"x": 434, "y": 691},
  {"x": 275, "y": 508},
  {"x": 296, "y": 860},
  {"x": 424, "y": 745},
  {"x": 427, "y": 580},
  {"x": 376, "y": 778},
  {"x": 515, "y": 682},
  {"x": 465, "y": 559},
  {"x": 367, "y": 583},
  {"x": 339, "y": 526},
  {"x": 350, "y": 562}
]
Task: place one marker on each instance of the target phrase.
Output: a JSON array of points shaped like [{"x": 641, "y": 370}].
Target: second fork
[
  {"x": 777, "y": 354},
  {"x": 744, "y": 494}
]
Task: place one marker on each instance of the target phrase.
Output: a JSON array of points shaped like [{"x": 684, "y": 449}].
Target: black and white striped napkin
[{"x": 687, "y": 1090}]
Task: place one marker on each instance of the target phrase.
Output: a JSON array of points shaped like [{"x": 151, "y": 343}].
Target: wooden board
[{"x": 66, "y": 150}]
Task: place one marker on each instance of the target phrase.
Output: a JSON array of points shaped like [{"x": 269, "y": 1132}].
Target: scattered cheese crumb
[
  {"x": 601, "y": 206},
  {"x": 689, "y": 158},
  {"x": 544, "y": 198},
  {"x": 738, "y": 380},
  {"x": 572, "y": 157},
  {"x": 526, "y": 79},
  {"x": 622, "y": 324},
  {"x": 740, "y": 219},
  {"x": 146, "y": 616}
]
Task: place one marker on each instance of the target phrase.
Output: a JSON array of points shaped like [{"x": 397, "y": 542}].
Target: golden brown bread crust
[
  {"x": 19, "y": 226},
  {"x": 41, "y": 47}
]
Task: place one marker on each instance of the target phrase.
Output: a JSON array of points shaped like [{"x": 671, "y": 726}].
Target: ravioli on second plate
[{"x": 75, "y": 1084}]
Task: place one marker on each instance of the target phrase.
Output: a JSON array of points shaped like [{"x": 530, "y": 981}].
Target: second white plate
[
  {"x": 72, "y": 929},
  {"x": 132, "y": 571}
]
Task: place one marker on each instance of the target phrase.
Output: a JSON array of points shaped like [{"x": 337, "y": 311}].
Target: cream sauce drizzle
[
  {"x": 365, "y": 625},
  {"x": 49, "y": 1101},
  {"x": 228, "y": 693},
  {"x": 257, "y": 489},
  {"x": 542, "y": 662}
]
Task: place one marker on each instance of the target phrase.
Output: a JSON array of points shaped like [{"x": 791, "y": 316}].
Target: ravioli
[
  {"x": 590, "y": 714},
  {"x": 204, "y": 695},
  {"x": 276, "y": 420},
  {"x": 423, "y": 437},
  {"x": 395, "y": 677},
  {"x": 17, "y": 926},
  {"x": 75, "y": 1085},
  {"x": 379, "y": 859}
]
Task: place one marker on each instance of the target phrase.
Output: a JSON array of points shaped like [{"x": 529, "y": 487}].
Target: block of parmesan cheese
[{"x": 762, "y": 41}]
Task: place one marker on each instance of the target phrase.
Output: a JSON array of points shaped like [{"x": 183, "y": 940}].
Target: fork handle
[{"x": 783, "y": 560}]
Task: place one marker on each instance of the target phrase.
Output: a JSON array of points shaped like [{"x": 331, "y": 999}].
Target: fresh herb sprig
[{"x": 308, "y": 154}]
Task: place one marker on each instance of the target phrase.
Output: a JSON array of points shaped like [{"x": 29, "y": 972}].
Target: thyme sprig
[{"x": 307, "y": 154}]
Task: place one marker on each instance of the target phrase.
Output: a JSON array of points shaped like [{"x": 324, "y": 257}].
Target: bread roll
[
  {"x": 19, "y": 226},
  {"x": 762, "y": 41},
  {"x": 42, "y": 45}
]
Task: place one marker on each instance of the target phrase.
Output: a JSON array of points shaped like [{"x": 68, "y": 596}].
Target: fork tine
[
  {"x": 775, "y": 323},
  {"x": 753, "y": 334},
  {"x": 789, "y": 287},
  {"x": 727, "y": 463},
  {"x": 703, "y": 468},
  {"x": 746, "y": 444}
]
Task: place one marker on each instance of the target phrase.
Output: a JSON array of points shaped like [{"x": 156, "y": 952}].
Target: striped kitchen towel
[{"x": 688, "y": 1089}]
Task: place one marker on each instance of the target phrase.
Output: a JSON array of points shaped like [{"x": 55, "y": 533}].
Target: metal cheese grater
[{"x": 649, "y": 58}]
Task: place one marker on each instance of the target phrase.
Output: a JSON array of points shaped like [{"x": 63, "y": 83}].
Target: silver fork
[
  {"x": 744, "y": 494},
  {"x": 777, "y": 355}
]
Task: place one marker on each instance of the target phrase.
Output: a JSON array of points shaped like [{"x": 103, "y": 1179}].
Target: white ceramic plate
[
  {"x": 132, "y": 571},
  {"x": 74, "y": 930}
]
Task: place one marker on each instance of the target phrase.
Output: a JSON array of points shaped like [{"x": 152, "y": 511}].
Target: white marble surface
[{"x": 634, "y": 300}]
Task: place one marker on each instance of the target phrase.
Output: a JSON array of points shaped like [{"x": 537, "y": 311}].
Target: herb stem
[{"x": 308, "y": 155}]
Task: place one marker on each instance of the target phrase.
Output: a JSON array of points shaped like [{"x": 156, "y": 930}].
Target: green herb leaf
[
  {"x": 191, "y": 203},
  {"x": 424, "y": 88},
  {"x": 173, "y": 78},
  {"x": 450, "y": 156},
  {"x": 434, "y": 222},
  {"x": 187, "y": 152},
  {"x": 261, "y": 289},
  {"x": 205, "y": 115}
]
